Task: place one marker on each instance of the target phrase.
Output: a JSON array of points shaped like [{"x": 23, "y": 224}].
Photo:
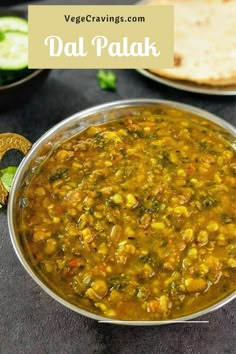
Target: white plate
[{"x": 191, "y": 87}]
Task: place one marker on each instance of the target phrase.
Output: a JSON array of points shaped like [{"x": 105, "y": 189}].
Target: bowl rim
[
  {"x": 22, "y": 81},
  {"x": 106, "y": 107}
]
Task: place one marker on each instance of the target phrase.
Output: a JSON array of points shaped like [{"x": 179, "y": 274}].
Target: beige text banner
[{"x": 100, "y": 36}]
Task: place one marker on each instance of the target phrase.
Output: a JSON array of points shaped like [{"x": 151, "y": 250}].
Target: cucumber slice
[
  {"x": 13, "y": 51},
  {"x": 12, "y": 23}
]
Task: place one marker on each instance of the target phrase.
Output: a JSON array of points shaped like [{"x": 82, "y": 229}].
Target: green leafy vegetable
[
  {"x": 142, "y": 293},
  {"x": 150, "y": 206},
  {"x": 208, "y": 202},
  {"x": 7, "y": 175},
  {"x": 117, "y": 282},
  {"x": 164, "y": 159},
  {"x": 2, "y": 36},
  {"x": 58, "y": 174},
  {"x": 147, "y": 258},
  {"x": 226, "y": 218},
  {"x": 107, "y": 80}
]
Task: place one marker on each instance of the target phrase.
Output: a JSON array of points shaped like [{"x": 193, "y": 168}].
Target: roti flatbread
[{"x": 205, "y": 41}]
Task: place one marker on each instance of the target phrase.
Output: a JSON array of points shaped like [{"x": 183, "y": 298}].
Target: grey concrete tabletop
[{"x": 33, "y": 323}]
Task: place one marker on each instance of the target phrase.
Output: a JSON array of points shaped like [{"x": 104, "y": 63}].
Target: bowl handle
[{"x": 10, "y": 141}]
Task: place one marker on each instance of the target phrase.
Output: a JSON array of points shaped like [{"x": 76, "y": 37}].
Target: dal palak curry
[{"x": 135, "y": 219}]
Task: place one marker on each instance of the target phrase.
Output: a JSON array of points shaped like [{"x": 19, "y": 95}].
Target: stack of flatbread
[{"x": 205, "y": 41}]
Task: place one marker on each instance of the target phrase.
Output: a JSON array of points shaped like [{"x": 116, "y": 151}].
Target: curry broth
[{"x": 135, "y": 219}]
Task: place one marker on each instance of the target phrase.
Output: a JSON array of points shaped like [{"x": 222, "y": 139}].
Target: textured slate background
[{"x": 33, "y": 323}]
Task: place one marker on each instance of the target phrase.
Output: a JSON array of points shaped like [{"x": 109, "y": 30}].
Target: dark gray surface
[
  {"x": 12, "y": 2},
  {"x": 30, "y": 321}
]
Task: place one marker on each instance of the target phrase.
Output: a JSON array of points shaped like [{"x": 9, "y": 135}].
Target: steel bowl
[{"x": 61, "y": 132}]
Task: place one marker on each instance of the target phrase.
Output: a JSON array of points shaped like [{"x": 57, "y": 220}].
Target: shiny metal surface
[{"x": 62, "y": 131}]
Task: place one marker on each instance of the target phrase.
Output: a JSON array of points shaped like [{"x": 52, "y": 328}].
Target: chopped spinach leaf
[
  {"x": 58, "y": 174},
  {"x": 117, "y": 282},
  {"x": 208, "y": 202}
]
